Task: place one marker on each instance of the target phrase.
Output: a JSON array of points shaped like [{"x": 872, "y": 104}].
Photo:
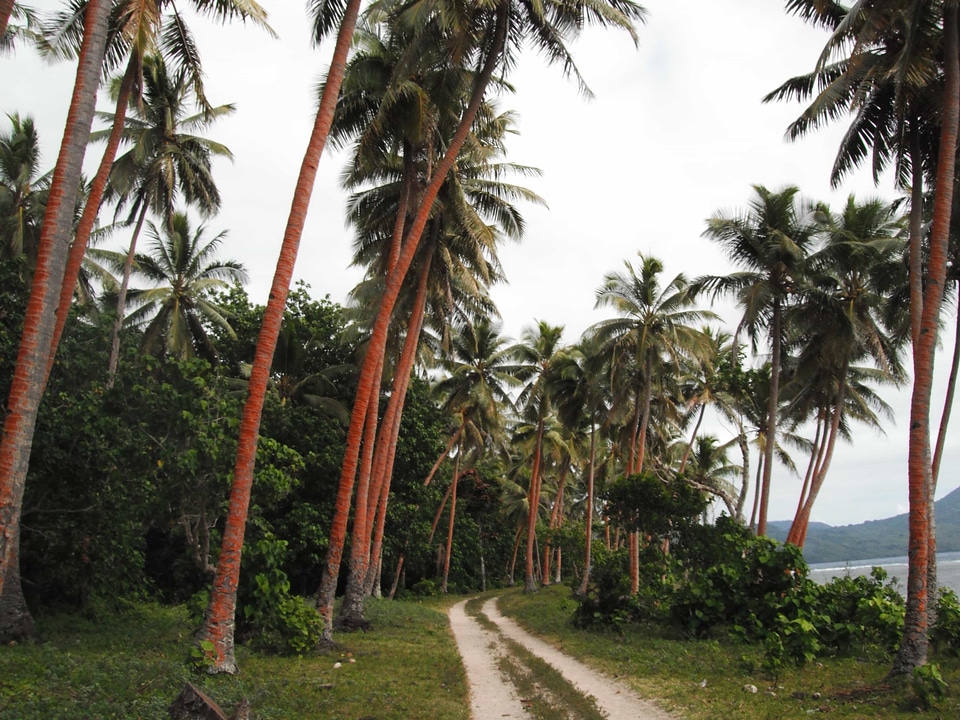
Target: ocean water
[{"x": 948, "y": 570}]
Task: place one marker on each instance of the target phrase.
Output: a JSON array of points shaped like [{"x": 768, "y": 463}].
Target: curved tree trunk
[
  {"x": 220, "y": 618},
  {"x": 33, "y": 356},
  {"x": 533, "y": 512},
  {"x": 555, "y": 512},
  {"x": 92, "y": 207},
  {"x": 823, "y": 465},
  {"x": 933, "y": 584},
  {"x": 913, "y": 646},
  {"x": 693, "y": 437},
  {"x": 387, "y": 441},
  {"x": 453, "y": 517},
  {"x": 122, "y": 300},
  {"x": 816, "y": 457},
  {"x": 378, "y": 337},
  {"x": 745, "y": 475},
  {"x": 587, "y": 563},
  {"x": 772, "y": 410}
]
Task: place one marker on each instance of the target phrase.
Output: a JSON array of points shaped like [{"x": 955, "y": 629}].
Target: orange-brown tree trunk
[
  {"x": 913, "y": 646},
  {"x": 6, "y": 10},
  {"x": 533, "y": 512},
  {"x": 378, "y": 339},
  {"x": 448, "y": 551},
  {"x": 220, "y": 618},
  {"x": 387, "y": 446},
  {"x": 33, "y": 356},
  {"x": 92, "y": 207}
]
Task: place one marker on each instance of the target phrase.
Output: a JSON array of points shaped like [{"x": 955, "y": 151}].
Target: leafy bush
[
  {"x": 608, "y": 599},
  {"x": 270, "y": 616},
  {"x": 862, "y": 610},
  {"x": 751, "y": 583},
  {"x": 945, "y": 635}
]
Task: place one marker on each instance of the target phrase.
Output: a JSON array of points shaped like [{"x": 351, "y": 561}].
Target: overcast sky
[{"x": 675, "y": 133}]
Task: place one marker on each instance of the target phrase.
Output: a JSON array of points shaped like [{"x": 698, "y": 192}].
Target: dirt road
[{"x": 496, "y": 671}]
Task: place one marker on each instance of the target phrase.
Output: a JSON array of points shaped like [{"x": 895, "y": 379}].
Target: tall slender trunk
[
  {"x": 758, "y": 482},
  {"x": 816, "y": 454},
  {"x": 772, "y": 410},
  {"x": 443, "y": 456},
  {"x": 220, "y": 617},
  {"x": 453, "y": 517},
  {"x": 693, "y": 438},
  {"x": 33, "y": 356},
  {"x": 823, "y": 465},
  {"x": 533, "y": 512},
  {"x": 947, "y": 403},
  {"x": 390, "y": 431},
  {"x": 122, "y": 300},
  {"x": 745, "y": 474},
  {"x": 381, "y": 325},
  {"x": 913, "y": 646},
  {"x": 92, "y": 207},
  {"x": 933, "y": 584},
  {"x": 351, "y": 609},
  {"x": 554, "y": 513},
  {"x": 587, "y": 562}
]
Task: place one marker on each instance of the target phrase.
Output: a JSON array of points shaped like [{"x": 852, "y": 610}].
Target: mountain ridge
[{"x": 873, "y": 539}]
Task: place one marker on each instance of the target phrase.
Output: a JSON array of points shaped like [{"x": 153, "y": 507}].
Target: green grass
[
  {"x": 133, "y": 664},
  {"x": 670, "y": 669}
]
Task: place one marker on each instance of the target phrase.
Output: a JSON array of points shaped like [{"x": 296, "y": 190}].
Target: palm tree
[
  {"x": 582, "y": 399},
  {"x": 653, "y": 328},
  {"x": 141, "y": 29},
  {"x": 710, "y": 471},
  {"x": 771, "y": 242},
  {"x": 22, "y": 191},
  {"x": 35, "y": 351},
  {"x": 537, "y": 349},
  {"x": 917, "y": 44},
  {"x": 165, "y": 159},
  {"x": 491, "y": 46},
  {"x": 456, "y": 266},
  {"x": 183, "y": 265},
  {"x": 219, "y": 621},
  {"x": 839, "y": 322}
]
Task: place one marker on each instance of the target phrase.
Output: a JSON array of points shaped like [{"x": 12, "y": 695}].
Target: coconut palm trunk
[
  {"x": 387, "y": 446},
  {"x": 122, "y": 299},
  {"x": 798, "y": 529},
  {"x": 913, "y": 646},
  {"x": 378, "y": 339},
  {"x": 533, "y": 511},
  {"x": 220, "y": 618},
  {"x": 588, "y": 558},
  {"x": 6, "y": 10},
  {"x": 773, "y": 406},
  {"x": 92, "y": 207},
  {"x": 30, "y": 372},
  {"x": 448, "y": 551}
]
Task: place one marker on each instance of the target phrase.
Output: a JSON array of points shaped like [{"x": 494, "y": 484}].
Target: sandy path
[{"x": 492, "y": 696}]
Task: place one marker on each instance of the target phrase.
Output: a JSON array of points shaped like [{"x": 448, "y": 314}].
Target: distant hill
[{"x": 874, "y": 538}]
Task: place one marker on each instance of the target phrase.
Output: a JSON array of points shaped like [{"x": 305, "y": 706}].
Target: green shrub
[
  {"x": 945, "y": 634},
  {"x": 270, "y": 617}
]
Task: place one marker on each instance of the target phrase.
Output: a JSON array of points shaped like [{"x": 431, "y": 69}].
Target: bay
[{"x": 948, "y": 570}]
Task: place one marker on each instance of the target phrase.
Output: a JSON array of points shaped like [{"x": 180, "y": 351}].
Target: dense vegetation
[{"x": 173, "y": 442}]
